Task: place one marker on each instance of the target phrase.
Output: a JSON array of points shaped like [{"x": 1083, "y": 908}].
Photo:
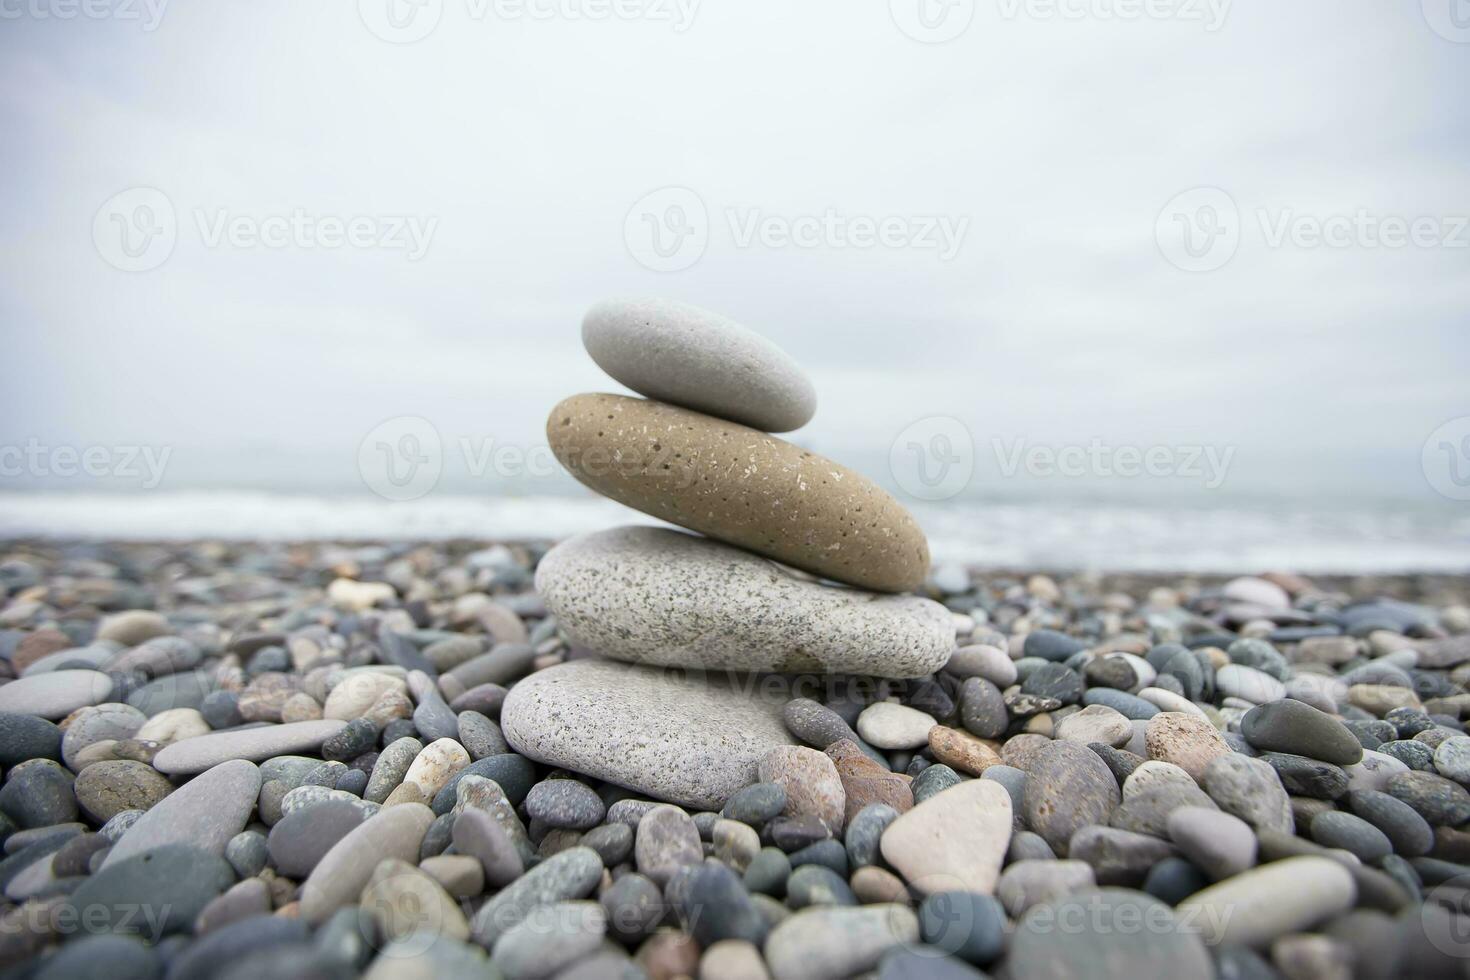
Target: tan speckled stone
[
  {"x": 659, "y": 596},
  {"x": 742, "y": 486},
  {"x": 692, "y": 740}
]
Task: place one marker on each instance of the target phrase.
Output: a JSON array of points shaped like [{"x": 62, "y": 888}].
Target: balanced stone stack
[{"x": 742, "y": 598}]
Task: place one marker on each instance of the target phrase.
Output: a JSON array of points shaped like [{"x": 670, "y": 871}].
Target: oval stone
[
  {"x": 692, "y": 740},
  {"x": 683, "y": 355},
  {"x": 255, "y": 744},
  {"x": 55, "y": 694},
  {"x": 742, "y": 486},
  {"x": 204, "y": 813},
  {"x": 658, "y": 596},
  {"x": 1255, "y": 907}
]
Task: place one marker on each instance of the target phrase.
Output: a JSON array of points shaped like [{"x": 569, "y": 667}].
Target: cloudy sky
[{"x": 251, "y": 232}]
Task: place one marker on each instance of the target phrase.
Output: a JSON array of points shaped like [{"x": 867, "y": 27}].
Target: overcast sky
[{"x": 1049, "y": 147}]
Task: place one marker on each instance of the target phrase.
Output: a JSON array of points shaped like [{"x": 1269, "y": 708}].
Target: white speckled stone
[
  {"x": 658, "y": 596},
  {"x": 692, "y": 740},
  {"x": 683, "y": 355},
  {"x": 55, "y": 694},
  {"x": 206, "y": 751}
]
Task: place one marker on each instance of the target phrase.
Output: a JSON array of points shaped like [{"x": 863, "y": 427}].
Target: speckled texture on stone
[
  {"x": 692, "y": 741},
  {"x": 206, "y": 751},
  {"x": 684, "y": 355},
  {"x": 742, "y": 486},
  {"x": 657, "y": 596}
]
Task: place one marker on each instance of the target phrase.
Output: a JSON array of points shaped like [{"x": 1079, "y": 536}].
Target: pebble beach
[{"x": 768, "y": 738}]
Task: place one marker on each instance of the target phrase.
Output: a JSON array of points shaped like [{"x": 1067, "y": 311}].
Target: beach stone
[
  {"x": 478, "y": 834},
  {"x": 933, "y": 780},
  {"x": 299, "y": 841},
  {"x": 175, "y": 882},
  {"x": 865, "y": 832},
  {"x": 1051, "y": 645},
  {"x": 1154, "y": 775},
  {"x": 634, "y": 907},
  {"x": 344, "y": 871},
  {"x": 961, "y": 751},
  {"x": 1308, "y": 777},
  {"x": 1129, "y": 706},
  {"x": 984, "y": 661},
  {"x": 1148, "y": 813},
  {"x": 1111, "y": 934},
  {"x": 38, "y": 794},
  {"x": 1187, "y": 740},
  {"x": 831, "y": 942},
  {"x": 1273, "y": 900},
  {"x": 158, "y": 656},
  {"x": 889, "y": 725},
  {"x": 132, "y": 627},
  {"x": 407, "y": 905},
  {"x": 658, "y": 596},
  {"x": 665, "y": 841},
  {"x": 693, "y": 742},
  {"x": 480, "y": 736},
  {"x": 241, "y": 900},
  {"x": 1217, "y": 843},
  {"x": 514, "y": 774},
  {"x": 432, "y": 768},
  {"x": 680, "y": 354},
  {"x": 358, "y": 691},
  {"x": 955, "y": 840},
  {"x": 1251, "y": 790},
  {"x": 565, "y": 803},
  {"x": 1300, "y": 729},
  {"x": 247, "y": 853},
  {"x": 810, "y": 780},
  {"x": 1409, "y": 833},
  {"x": 967, "y": 925},
  {"x": 732, "y": 959},
  {"x": 568, "y": 875},
  {"x": 95, "y": 725},
  {"x": 1436, "y": 799},
  {"x": 733, "y": 842},
  {"x": 1095, "y": 723},
  {"x": 55, "y": 694},
  {"x": 25, "y": 737},
  {"x": 1053, "y": 682},
  {"x": 102, "y": 957},
  {"x": 983, "y": 708},
  {"x": 714, "y": 905},
  {"x": 390, "y": 768},
  {"x": 1027, "y": 882},
  {"x": 1067, "y": 787},
  {"x": 205, "y": 813},
  {"x": 104, "y": 789},
  {"x": 756, "y": 804},
  {"x": 1118, "y": 857},
  {"x": 740, "y": 486},
  {"x": 221, "y": 709},
  {"x": 1452, "y": 758},
  {"x": 195, "y": 755},
  {"x": 173, "y": 725},
  {"x": 1333, "y": 828},
  {"x": 552, "y": 938},
  {"x": 815, "y": 724},
  {"x": 865, "y": 782}
]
